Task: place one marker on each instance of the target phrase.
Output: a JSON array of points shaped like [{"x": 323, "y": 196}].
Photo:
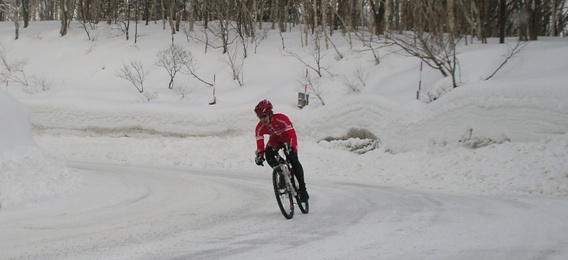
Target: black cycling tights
[{"x": 270, "y": 153}]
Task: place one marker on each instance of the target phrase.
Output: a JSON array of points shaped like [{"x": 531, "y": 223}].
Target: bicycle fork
[{"x": 288, "y": 177}]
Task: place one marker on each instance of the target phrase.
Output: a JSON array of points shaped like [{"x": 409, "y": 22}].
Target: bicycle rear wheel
[
  {"x": 283, "y": 194},
  {"x": 304, "y": 206}
]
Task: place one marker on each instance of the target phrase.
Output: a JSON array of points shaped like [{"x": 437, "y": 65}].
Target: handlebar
[{"x": 284, "y": 146}]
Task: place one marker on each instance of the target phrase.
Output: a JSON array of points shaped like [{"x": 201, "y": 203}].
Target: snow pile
[{"x": 27, "y": 173}]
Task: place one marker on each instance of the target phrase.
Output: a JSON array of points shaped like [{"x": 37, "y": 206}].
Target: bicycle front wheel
[{"x": 283, "y": 194}]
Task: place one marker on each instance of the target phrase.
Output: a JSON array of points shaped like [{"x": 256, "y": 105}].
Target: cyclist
[{"x": 281, "y": 131}]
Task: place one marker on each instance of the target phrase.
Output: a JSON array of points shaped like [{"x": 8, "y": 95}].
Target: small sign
[{"x": 303, "y": 99}]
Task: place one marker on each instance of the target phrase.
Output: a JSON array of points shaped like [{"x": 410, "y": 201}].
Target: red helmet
[{"x": 264, "y": 107}]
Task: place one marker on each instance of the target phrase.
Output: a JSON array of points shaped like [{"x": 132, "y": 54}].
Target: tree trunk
[
  {"x": 502, "y": 20},
  {"x": 451, "y": 22},
  {"x": 171, "y": 16},
  {"x": 553, "y": 31},
  {"x": 64, "y": 10},
  {"x": 534, "y": 20},
  {"x": 26, "y": 12},
  {"x": 378, "y": 12}
]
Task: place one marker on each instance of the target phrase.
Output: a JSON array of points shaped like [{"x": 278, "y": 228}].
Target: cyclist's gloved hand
[{"x": 259, "y": 160}]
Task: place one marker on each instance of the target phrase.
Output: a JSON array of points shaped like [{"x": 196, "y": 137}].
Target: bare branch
[
  {"x": 312, "y": 83},
  {"x": 511, "y": 54}
]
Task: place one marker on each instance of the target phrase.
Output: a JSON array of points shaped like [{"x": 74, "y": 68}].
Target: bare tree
[
  {"x": 182, "y": 90},
  {"x": 317, "y": 56},
  {"x": 14, "y": 10},
  {"x": 357, "y": 81},
  {"x": 221, "y": 30},
  {"x": 370, "y": 41},
  {"x": 149, "y": 96},
  {"x": 41, "y": 83},
  {"x": 174, "y": 59},
  {"x": 135, "y": 73},
  {"x": 199, "y": 36},
  {"x": 13, "y": 70},
  {"x": 430, "y": 41},
  {"x": 236, "y": 61}
]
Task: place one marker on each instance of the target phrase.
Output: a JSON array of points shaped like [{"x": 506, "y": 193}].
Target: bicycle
[{"x": 285, "y": 186}]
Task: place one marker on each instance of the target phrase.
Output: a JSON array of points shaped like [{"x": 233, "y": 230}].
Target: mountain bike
[{"x": 285, "y": 187}]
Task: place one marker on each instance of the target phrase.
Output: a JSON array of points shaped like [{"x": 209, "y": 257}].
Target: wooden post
[{"x": 214, "y": 97}]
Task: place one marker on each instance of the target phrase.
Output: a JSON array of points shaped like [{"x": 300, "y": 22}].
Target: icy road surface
[{"x": 130, "y": 212}]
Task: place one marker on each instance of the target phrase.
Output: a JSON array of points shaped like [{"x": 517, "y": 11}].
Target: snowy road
[{"x": 132, "y": 212}]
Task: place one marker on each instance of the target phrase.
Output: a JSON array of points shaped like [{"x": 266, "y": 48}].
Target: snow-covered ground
[{"x": 481, "y": 173}]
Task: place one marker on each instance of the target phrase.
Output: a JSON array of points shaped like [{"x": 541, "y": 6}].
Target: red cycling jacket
[{"x": 280, "y": 130}]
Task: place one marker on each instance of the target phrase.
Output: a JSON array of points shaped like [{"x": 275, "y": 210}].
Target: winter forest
[
  {"x": 429, "y": 30},
  {"x": 526, "y": 19}
]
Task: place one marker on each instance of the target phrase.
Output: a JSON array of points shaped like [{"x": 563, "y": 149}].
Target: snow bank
[{"x": 27, "y": 173}]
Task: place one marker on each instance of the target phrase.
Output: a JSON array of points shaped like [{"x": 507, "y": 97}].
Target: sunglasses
[{"x": 262, "y": 115}]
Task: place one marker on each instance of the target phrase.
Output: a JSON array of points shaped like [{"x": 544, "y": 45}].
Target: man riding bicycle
[{"x": 281, "y": 131}]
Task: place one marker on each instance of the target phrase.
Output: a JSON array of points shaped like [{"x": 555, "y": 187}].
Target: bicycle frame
[{"x": 284, "y": 165}]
